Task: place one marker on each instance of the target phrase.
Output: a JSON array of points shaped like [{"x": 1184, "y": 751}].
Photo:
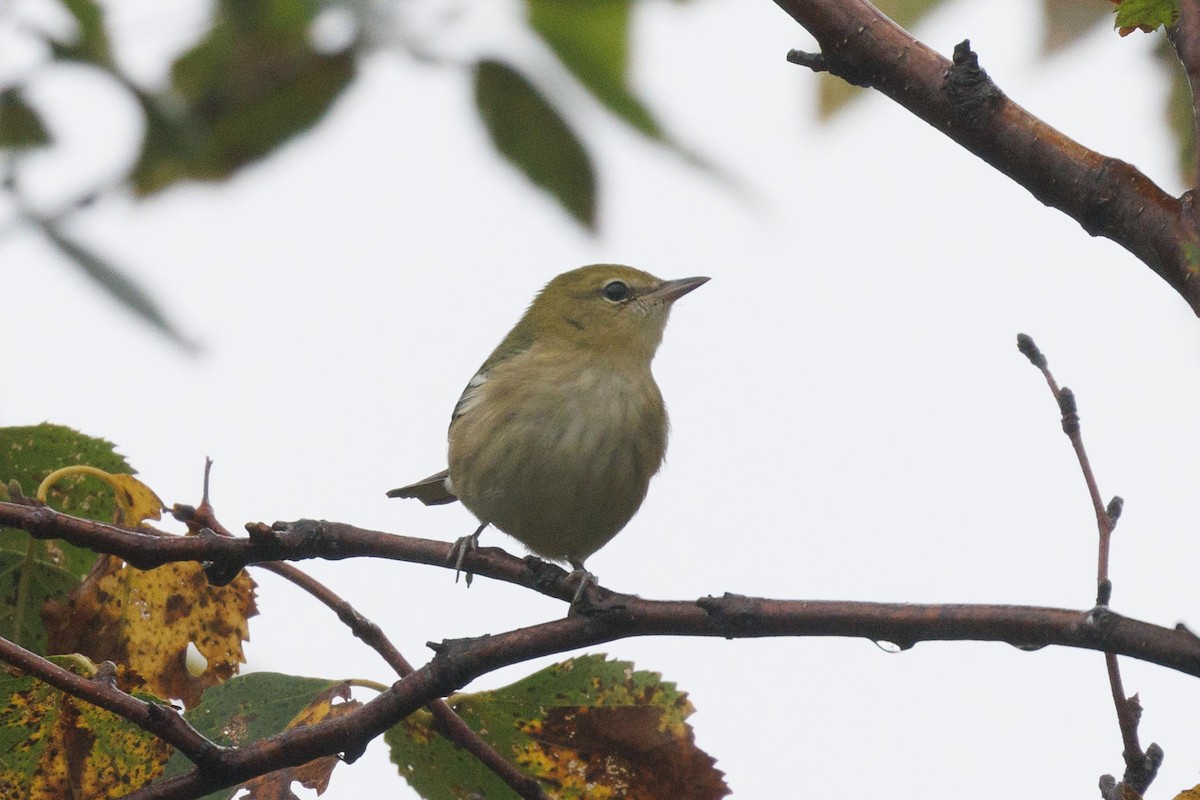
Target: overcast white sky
[{"x": 850, "y": 416}]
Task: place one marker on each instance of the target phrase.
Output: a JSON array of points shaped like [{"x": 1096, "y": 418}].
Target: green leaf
[
  {"x": 241, "y": 93},
  {"x": 33, "y": 571},
  {"x": 1178, "y": 111},
  {"x": 531, "y": 134},
  {"x": 20, "y": 125},
  {"x": 586, "y": 727},
  {"x": 27, "y": 580},
  {"x": 251, "y": 707},
  {"x": 591, "y": 38},
  {"x": 117, "y": 284},
  {"x": 1146, "y": 15},
  {"x": 53, "y": 745},
  {"x": 92, "y": 44}
]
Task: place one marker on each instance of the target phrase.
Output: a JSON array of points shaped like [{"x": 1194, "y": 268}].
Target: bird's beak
[{"x": 670, "y": 291}]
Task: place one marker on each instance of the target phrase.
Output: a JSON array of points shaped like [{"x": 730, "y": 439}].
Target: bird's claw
[
  {"x": 458, "y": 552},
  {"x": 585, "y": 578}
]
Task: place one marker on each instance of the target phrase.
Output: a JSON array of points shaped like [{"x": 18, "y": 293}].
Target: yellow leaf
[
  {"x": 315, "y": 774},
  {"x": 135, "y": 500},
  {"x": 55, "y": 746},
  {"x": 145, "y": 620}
]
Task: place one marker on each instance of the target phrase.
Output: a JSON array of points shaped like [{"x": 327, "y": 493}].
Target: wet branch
[
  {"x": 1106, "y": 196},
  {"x": 1140, "y": 766}
]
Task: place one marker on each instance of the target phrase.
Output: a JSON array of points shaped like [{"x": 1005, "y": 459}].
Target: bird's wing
[
  {"x": 470, "y": 394},
  {"x": 518, "y": 341},
  {"x": 432, "y": 491}
]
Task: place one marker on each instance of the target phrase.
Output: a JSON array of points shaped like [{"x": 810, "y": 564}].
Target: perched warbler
[{"x": 556, "y": 437}]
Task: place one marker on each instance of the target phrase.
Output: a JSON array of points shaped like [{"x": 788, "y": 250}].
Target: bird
[{"x": 557, "y": 435}]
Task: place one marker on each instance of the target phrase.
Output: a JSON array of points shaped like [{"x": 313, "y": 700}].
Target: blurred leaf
[
  {"x": 1144, "y": 15},
  {"x": 1189, "y": 794},
  {"x": 833, "y": 93},
  {"x": 53, "y": 745},
  {"x": 585, "y": 728},
  {"x": 145, "y": 620},
  {"x": 170, "y": 147},
  {"x": 1178, "y": 113},
  {"x": 529, "y": 132},
  {"x": 591, "y": 37},
  {"x": 245, "y": 89},
  {"x": 117, "y": 284},
  {"x": 252, "y": 707},
  {"x": 1067, "y": 21},
  {"x": 92, "y": 45},
  {"x": 33, "y": 571},
  {"x": 20, "y": 125}
]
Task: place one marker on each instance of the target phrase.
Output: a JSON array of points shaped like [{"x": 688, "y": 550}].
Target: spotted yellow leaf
[
  {"x": 586, "y": 728},
  {"x": 53, "y": 745},
  {"x": 145, "y": 620}
]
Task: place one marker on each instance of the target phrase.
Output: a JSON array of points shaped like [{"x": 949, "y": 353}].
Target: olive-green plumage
[{"x": 555, "y": 439}]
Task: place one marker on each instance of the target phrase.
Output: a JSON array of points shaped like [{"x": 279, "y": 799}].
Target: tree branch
[
  {"x": 1140, "y": 766},
  {"x": 225, "y": 556},
  {"x": 1106, "y": 515},
  {"x": 899, "y": 623},
  {"x": 458, "y": 662},
  {"x": 1106, "y": 196},
  {"x": 611, "y": 617}
]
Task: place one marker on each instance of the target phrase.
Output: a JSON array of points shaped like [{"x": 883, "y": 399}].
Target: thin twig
[
  {"x": 1140, "y": 766},
  {"x": 1105, "y": 522}
]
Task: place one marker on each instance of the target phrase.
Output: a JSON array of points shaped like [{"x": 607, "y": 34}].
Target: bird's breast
[{"x": 559, "y": 452}]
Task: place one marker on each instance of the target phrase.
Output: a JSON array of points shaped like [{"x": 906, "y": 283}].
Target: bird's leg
[
  {"x": 460, "y": 549},
  {"x": 586, "y": 579}
]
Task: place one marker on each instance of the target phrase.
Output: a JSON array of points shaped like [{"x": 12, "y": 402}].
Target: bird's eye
[{"x": 616, "y": 291}]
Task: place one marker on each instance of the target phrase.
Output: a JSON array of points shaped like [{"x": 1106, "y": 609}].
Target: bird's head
[{"x": 606, "y": 309}]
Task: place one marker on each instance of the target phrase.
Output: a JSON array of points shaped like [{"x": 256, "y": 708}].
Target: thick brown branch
[
  {"x": 904, "y": 623},
  {"x": 1108, "y": 197},
  {"x": 460, "y": 661},
  {"x": 225, "y": 556}
]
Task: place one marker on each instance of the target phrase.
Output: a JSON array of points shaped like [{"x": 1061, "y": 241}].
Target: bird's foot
[
  {"x": 585, "y": 579},
  {"x": 458, "y": 552}
]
